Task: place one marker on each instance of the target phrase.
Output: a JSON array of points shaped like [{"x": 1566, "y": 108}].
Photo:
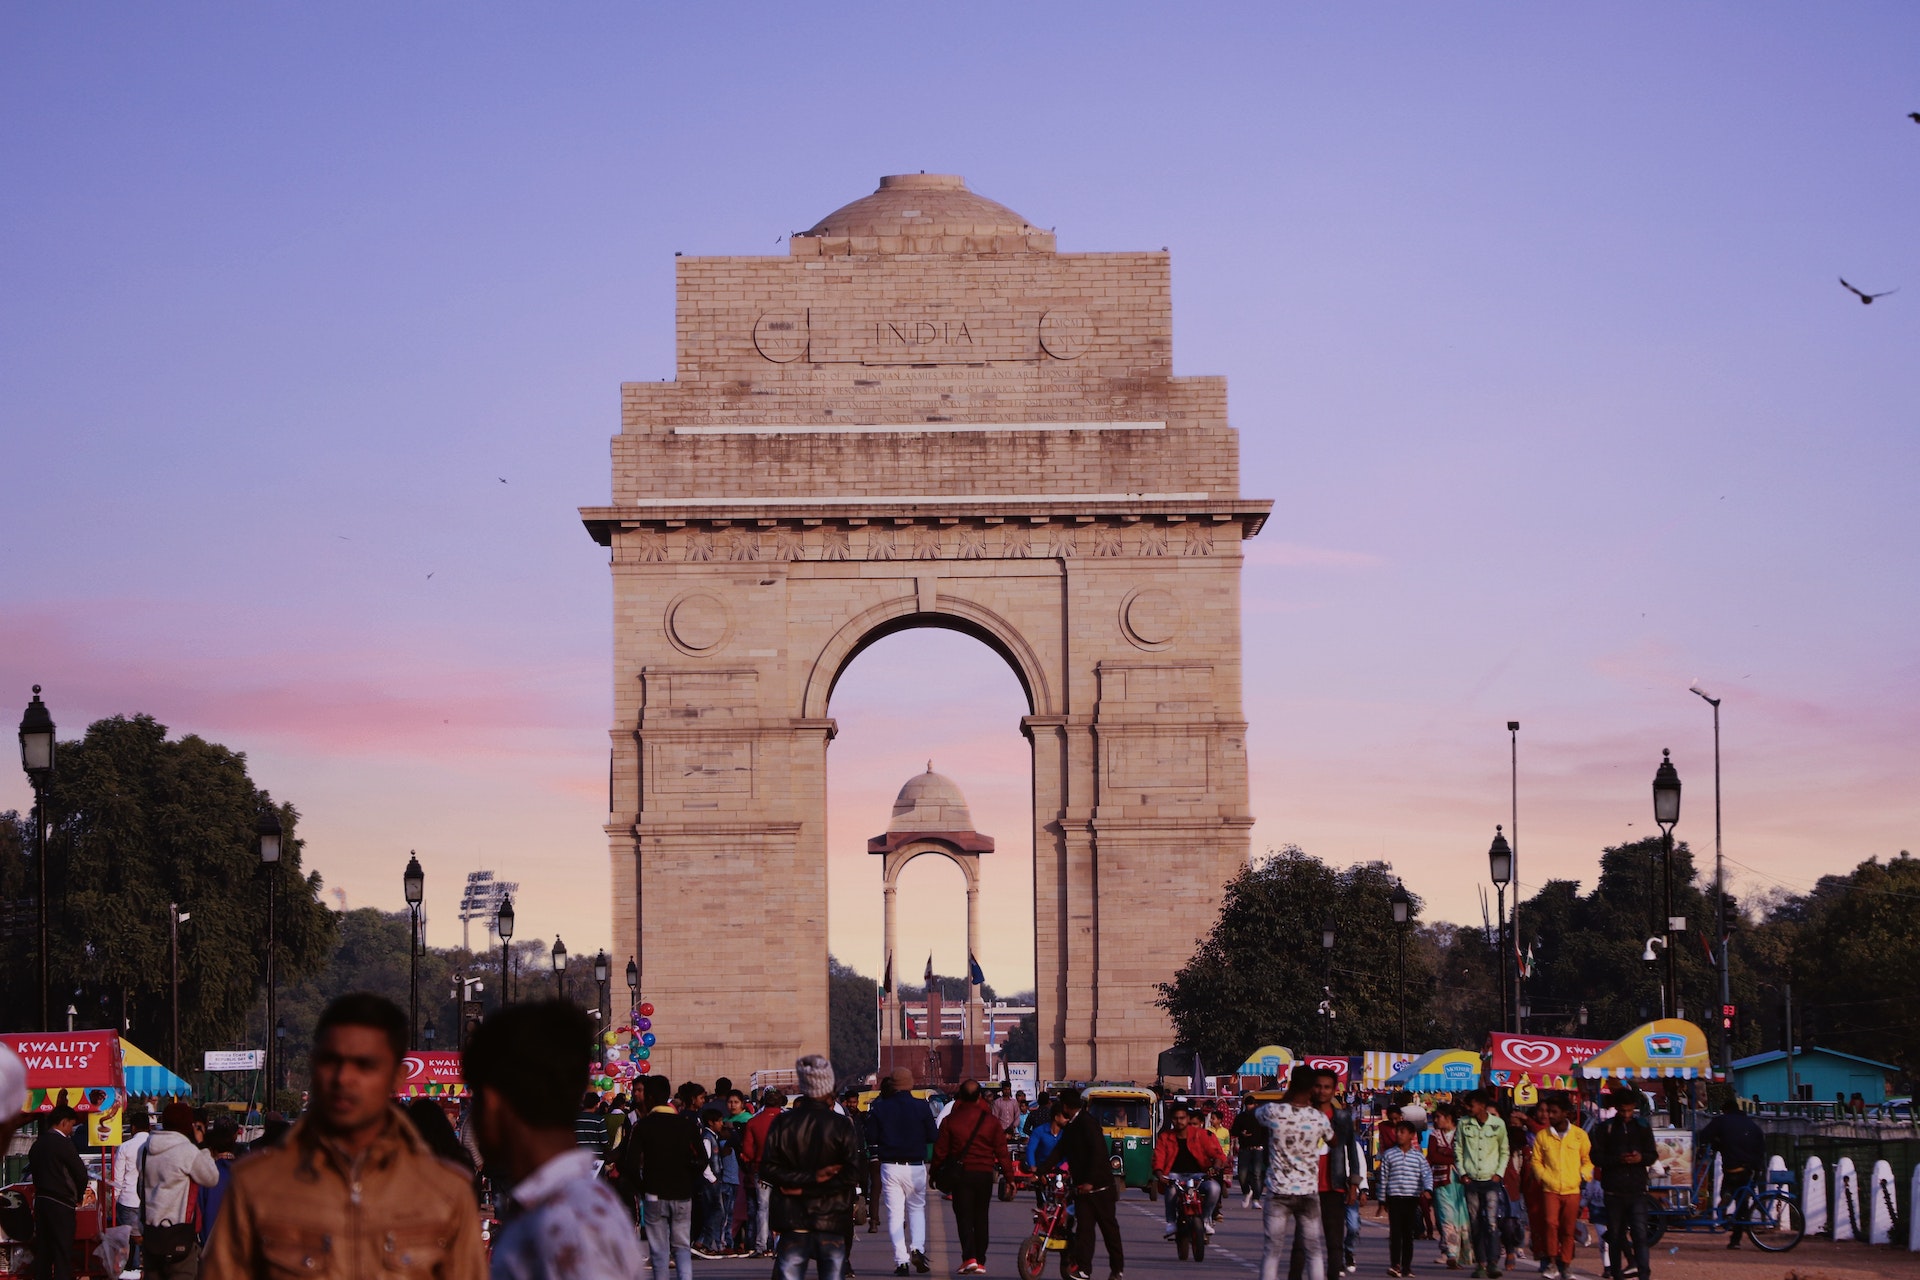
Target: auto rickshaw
[{"x": 1130, "y": 1116}]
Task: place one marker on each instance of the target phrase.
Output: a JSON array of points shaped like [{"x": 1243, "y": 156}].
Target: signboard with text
[
  {"x": 236, "y": 1059},
  {"x": 432, "y": 1073}
]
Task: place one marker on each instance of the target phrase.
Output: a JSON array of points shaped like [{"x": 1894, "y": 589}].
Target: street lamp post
[
  {"x": 1327, "y": 938},
  {"x": 1724, "y": 935},
  {"x": 1402, "y": 912},
  {"x": 427, "y": 1035},
  {"x": 37, "y": 758},
  {"x": 268, "y": 830},
  {"x": 601, "y": 972},
  {"x": 414, "y": 882},
  {"x": 1666, "y": 812},
  {"x": 1513, "y": 842},
  {"x": 175, "y": 918},
  {"x": 559, "y": 967},
  {"x": 279, "y": 1059},
  {"x": 1500, "y": 867},
  {"x": 633, "y": 982},
  {"x": 503, "y": 925}
]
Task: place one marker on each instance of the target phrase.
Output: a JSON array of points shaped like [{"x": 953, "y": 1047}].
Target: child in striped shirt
[{"x": 1405, "y": 1180}]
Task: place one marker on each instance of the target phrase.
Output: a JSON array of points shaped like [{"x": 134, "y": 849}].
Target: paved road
[{"x": 1235, "y": 1250}]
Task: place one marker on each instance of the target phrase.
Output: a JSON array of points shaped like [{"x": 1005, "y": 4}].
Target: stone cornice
[{"x": 772, "y": 514}]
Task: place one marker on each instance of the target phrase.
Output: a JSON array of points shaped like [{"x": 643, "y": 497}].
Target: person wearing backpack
[{"x": 172, "y": 1167}]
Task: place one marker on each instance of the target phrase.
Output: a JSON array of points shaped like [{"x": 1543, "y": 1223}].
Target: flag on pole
[
  {"x": 974, "y": 975},
  {"x": 928, "y": 976},
  {"x": 886, "y": 979}
]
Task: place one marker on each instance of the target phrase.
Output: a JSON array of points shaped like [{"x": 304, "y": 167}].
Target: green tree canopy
[
  {"x": 1257, "y": 978},
  {"x": 140, "y": 821}
]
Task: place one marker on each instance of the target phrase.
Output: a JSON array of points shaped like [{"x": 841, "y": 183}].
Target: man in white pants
[{"x": 901, "y": 1130}]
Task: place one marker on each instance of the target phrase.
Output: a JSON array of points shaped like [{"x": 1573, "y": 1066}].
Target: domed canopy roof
[
  {"x": 930, "y": 802},
  {"x": 922, "y": 213}
]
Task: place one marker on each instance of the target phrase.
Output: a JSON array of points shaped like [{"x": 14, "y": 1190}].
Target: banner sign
[
  {"x": 432, "y": 1074},
  {"x": 236, "y": 1059},
  {"x": 69, "y": 1059},
  {"x": 1551, "y": 1061},
  {"x": 1339, "y": 1066}
]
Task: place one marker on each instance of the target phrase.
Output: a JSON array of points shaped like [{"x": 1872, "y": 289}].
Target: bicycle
[{"x": 1771, "y": 1217}]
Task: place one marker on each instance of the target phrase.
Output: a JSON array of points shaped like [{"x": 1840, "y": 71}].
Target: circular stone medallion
[
  {"x": 1066, "y": 334},
  {"x": 698, "y": 623},
  {"x": 781, "y": 336},
  {"x": 1151, "y": 617}
]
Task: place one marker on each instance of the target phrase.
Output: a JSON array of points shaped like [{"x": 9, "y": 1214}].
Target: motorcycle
[
  {"x": 1052, "y": 1228},
  {"x": 1189, "y": 1215}
]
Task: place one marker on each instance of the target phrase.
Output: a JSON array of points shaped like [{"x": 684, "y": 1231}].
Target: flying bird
[
  {"x": 430, "y": 575},
  {"x": 501, "y": 479},
  {"x": 1866, "y": 299},
  {"x": 1914, "y": 116}
]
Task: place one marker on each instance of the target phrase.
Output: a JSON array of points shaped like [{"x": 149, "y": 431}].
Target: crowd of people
[{"x": 542, "y": 1178}]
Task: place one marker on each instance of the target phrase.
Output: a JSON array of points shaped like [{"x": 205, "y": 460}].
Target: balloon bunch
[{"x": 626, "y": 1050}]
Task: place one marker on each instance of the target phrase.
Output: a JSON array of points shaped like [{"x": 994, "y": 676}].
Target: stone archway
[{"x": 924, "y": 415}]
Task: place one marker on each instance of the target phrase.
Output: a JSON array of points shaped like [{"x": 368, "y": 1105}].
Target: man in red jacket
[
  {"x": 971, "y": 1135},
  {"x": 753, "y": 1146},
  {"x": 1185, "y": 1151}
]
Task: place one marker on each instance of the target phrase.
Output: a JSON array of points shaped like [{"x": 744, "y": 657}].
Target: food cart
[
  {"x": 83, "y": 1070},
  {"x": 1664, "y": 1049},
  {"x": 1439, "y": 1071}
]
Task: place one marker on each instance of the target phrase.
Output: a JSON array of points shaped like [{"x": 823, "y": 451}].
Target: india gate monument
[{"x": 922, "y": 415}]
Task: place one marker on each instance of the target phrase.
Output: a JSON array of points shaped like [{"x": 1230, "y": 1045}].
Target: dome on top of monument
[
  {"x": 930, "y": 802},
  {"x": 920, "y": 205}
]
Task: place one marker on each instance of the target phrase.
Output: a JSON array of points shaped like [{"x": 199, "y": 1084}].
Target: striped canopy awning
[
  {"x": 146, "y": 1078},
  {"x": 1665, "y": 1049}
]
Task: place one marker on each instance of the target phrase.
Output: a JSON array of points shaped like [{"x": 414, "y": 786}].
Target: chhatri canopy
[
  {"x": 1665, "y": 1049},
  {"x": 146, "y": 1078},
  {"x": 1439, "y": 1071}
]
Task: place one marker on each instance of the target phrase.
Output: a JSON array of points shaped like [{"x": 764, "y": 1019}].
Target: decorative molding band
[
  {"x": 910, "y": 428},
  {"x": 899, "y": 499}
]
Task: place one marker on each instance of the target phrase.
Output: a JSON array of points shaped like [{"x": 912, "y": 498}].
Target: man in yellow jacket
[{"x": 1562, "y": 1159}]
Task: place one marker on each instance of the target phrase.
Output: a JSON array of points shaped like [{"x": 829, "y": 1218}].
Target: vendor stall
[
  {"x": 1665, "y": 1049},
  {"x": 81, "y": 1069},
  {"x": 1527, "y": 1064},
  {"x": 146, "y": 1078},
  {"x": 432, "y": 1074},
  {"x": 1439, "y": 1071},
  {"x": 1377, "y": 1066}
]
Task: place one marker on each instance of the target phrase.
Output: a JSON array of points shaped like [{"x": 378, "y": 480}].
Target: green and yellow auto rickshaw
[{"x": 1130, "y": 1116}]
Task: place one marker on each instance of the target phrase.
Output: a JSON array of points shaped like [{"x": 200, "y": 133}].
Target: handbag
[
  {"x": 946, "y": 1175},
  {"x": 167, "y": 1243}
]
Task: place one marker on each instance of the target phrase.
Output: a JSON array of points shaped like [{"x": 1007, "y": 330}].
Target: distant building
[{"x": 1818, "y": 1074}]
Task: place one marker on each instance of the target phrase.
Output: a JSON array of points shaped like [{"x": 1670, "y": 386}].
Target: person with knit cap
[
  {"x": 172, "y": 1168},
  {"x": 814, "y": 1159}
]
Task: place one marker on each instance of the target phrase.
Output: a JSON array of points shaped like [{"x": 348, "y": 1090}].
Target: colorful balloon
[
  {"x": 644, "y": 1024},
  {"x": 643, "y": 1054},
  {"x": 645, "y": 1067},
  {"x": 646, "y": 1010}
]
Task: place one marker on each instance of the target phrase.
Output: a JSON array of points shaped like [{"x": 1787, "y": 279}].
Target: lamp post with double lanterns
[
  {"x": 1666, "y": 812},
  {"x": 1328, "y": 936},
  {"x": 503, "y": 925},
  {"x": 37, "y": 749},
  {"x": 1402, "y": 912},
  {"x": 633, "y": 982},
  {"x": 1500, "y": 869},
  {"x": 601, "y": 972},
  {"x": 268, "y": 831},
  {"x": 559, "y": 968},
  {"x": 414, "y": 882}
]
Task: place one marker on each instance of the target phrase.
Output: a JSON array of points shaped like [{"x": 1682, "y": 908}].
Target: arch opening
[{"x": 948, "y": 697}]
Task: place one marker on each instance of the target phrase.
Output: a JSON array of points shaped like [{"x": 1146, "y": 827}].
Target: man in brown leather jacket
[{"x": 353, "y": 1191}]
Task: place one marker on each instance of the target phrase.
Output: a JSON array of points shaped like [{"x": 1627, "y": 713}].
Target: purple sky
[{"x": 1529, "y": 312}]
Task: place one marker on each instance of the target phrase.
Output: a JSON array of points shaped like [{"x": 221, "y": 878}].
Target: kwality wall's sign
[
  {"x": 68, "y": 1059},
  {"x": 431, "y": 1073}
]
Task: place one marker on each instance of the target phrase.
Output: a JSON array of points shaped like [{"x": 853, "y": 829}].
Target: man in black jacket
[
  {"x": 1623, "y": 1152},
  {"x": 1743, "y": 1155},
  {"x": 663, "y": 1156},
  {"x": 814, "y": 1160},
  {"x": 59, "y": 1184},
  {"x": 1083, "y": 1150}
]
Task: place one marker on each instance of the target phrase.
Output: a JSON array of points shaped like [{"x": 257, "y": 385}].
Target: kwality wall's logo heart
[
  {"x": 416, "y": 1067},
  {"x": 1532, "y": 1053}
]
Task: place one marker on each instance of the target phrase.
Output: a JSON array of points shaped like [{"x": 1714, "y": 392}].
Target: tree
[
  {"x": 141, "y": 821},
  {"x": 853, "y": 1022},
  {"x": 1853, "y": 954},
  {"x": 1258, "y": 976}
]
